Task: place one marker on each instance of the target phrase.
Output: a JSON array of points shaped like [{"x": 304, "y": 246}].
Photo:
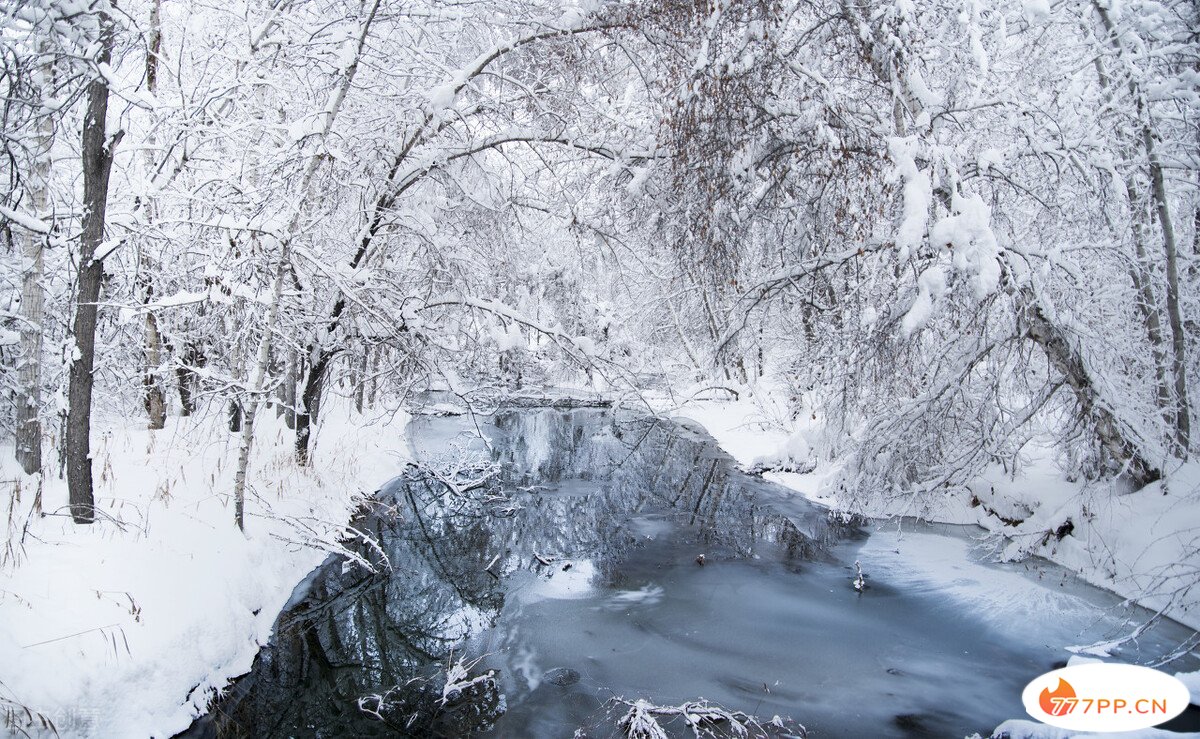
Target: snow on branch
[
  {"x": 917, "y": 194},
  {"x": 571, "y": 23},
  {"x": 25, "y": 221},
  {"x": 512, "y": 136},
  {"x": 579, "y": 348},
  {"x": 771, "y": 284}
]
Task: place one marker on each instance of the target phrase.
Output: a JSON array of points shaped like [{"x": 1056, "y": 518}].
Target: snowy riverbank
[
  {"x": 123, "y": 628},
  {"x": 1142, "y": 545}
]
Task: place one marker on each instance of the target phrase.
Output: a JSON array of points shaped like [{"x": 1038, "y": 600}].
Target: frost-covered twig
[
  {"x": 376, "y": 704},
  {"x": 704, "y": 719},
  {"x": 460, "y": 471},
  {"x": 419, "y": 705},
  {"x": 464, "y": 477},
  {"x": 458, "y": 678}
]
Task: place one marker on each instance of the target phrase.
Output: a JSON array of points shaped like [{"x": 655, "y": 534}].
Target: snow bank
[
  {"x": 124, "y": 628},
  {"x": 1006, "y": 598},
  {"x": 759, "y": 433},
  {"x": 1143, "y": 545},
  {"x": 742, "y": 428}
]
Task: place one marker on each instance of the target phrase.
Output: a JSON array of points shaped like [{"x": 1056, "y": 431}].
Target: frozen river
[{"x": 572, "y": 574}]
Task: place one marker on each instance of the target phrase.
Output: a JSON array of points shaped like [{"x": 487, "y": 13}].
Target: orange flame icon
[{"x": 1061, "y": 706}]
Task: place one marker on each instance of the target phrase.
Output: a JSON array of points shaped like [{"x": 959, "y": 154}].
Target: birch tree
[
  {"x": 34, "y": 237},
  {"x": 286, "y": 234},
  {"x": 155, "y": 397}
]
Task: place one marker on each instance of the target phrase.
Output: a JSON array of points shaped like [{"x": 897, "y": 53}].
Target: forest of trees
[{"x": 945, "y": 228}]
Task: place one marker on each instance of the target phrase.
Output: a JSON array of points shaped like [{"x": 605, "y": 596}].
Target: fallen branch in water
[{"x": 704, "y": 719}]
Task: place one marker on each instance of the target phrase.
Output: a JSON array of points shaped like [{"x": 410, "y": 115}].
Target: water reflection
[{"x": 575, "y": 493}]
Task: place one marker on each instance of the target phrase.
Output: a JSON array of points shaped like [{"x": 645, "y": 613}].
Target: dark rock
[{"x": 561, "y": 676}]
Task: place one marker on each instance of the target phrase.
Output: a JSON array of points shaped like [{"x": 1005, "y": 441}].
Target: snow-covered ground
[
  {"x": 123, "y": 628},
  {"x": 1142, "y": 545}
]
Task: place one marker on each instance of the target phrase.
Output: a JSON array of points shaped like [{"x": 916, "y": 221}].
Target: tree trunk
[
  {"x": 278, "y": 403},
  {"x": 1183, "y": 412},
  {"x": 235, "y": 416},
  {"x": 1148, "y": 305},
  {"x": 187, "y": 378},
  {"x": 1147, "y": 300},
  {"x": 187, "y": 401},
  {"x": 1158, "y": 191},
  {"x": 375, "y": 353},
  {"x": 289, "y": 389},
  {"x": 28, "y": 432},
  {"x": 310, "y": 404},
  {"x": 358, "y": 379},
  {"x": 154, "y": 398},
  {"x": 97, "y": 164},
  {"x": 1064, "y": 358},
  {"x": 683, "y": 339}
]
